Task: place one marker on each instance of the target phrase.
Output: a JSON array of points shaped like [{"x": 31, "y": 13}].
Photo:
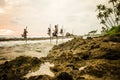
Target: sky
[{"x": 76, "y": 16}]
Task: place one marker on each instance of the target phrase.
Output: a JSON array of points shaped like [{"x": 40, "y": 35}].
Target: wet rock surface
[
  {"x": 17, "y": 68},
  {"x": 88, "y": 59},
  {"x": 78, "y": 59}
]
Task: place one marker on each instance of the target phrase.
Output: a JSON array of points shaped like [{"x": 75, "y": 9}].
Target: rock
[
  {"x": 64, "y": 76},
  {"x": 40, "y": 77},
  {"x": 80, "y": 78},
  {"x": 115, "y": 38},
  {"x": 17, "y": 68},
  {"x": 92, "y": 47},
  {"x": 89, "y": 37}
]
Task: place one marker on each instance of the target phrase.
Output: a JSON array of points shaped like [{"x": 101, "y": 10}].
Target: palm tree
[
  {"x": 117, "y": 20},
  {"x": 110, "y": 11},
  {"x": 114, "y": 7},
  {"x": 118, "y": 13},
  {"x": 106, "y": 15},
  {"x": 103, "y": 7},
  {"x": 103, "y": 22},
  {"x": 109, "y": 16},
  {"x": 118, "y": 6},
  {"x": 99, "y": 7},
  {"x": 100, "y": 15},
  {"x": 113, "y": 2}
]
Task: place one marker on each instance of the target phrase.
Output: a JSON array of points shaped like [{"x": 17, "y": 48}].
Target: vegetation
[
  {"x": 110, "y": 16},
  {"x": 114, "y": 30},
  {"x": 69, "y": 34}
]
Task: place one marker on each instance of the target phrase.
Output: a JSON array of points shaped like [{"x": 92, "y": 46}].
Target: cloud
[
  {"x": 78, "y": 15},
  {"x": 2, "y": 3},
  {"x": 6, "y": 32}
]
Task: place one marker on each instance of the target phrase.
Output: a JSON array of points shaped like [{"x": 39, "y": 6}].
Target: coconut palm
[
  {"x": 116, "y": 10},
  {"x": 103, "y": 7},
  {"x": 100, "y": 15},
  {"x": 117, "y": 20},
  {"x": 110, "y": 12},
  {"x": 104, "y": 23},
  {"x": 106, "y": 17},
  {"x": 109, "y": 16},
  {"x": 118, "y": 13},
  {"x": 118, "y": 6},
  {"x": 105, "y": 14},
  {"x": 99, "y": 7},
  {"x": 114, "y": 3}
]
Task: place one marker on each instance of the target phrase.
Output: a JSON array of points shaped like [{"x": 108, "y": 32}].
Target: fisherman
[
  {"x": 49, "y": 31},
  {"x": 61, "y": 31},
  {"x": 25, "y": 33},
  {"x": 56, "y": 31}
]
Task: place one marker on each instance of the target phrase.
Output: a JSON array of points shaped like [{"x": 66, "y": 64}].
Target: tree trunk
[
  {"x": 113, "y": 20},
  {"x": 114, "y": 10},
  {"x": 105, "y": 19}
]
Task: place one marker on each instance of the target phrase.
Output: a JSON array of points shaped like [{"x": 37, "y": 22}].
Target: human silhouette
[
  {"x": 55, "y": 33},
  {"x": 24, "y": 35},
  {"x": 49, "y": 31},
  {"x": 61, "y": 31}
]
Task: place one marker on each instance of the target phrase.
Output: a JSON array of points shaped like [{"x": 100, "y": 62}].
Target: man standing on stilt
[{"x": 24, "y": 35}]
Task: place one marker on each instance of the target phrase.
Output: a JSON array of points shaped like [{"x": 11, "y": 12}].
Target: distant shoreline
[{"x": 22, "y": 39}]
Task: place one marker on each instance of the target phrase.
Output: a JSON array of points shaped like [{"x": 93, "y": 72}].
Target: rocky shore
[
  {"x": 78, "y": 59},
  {"x": 87, "y": 59}
]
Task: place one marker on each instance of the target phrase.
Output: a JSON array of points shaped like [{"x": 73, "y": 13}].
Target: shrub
[{"x": 114, "y": 30}]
